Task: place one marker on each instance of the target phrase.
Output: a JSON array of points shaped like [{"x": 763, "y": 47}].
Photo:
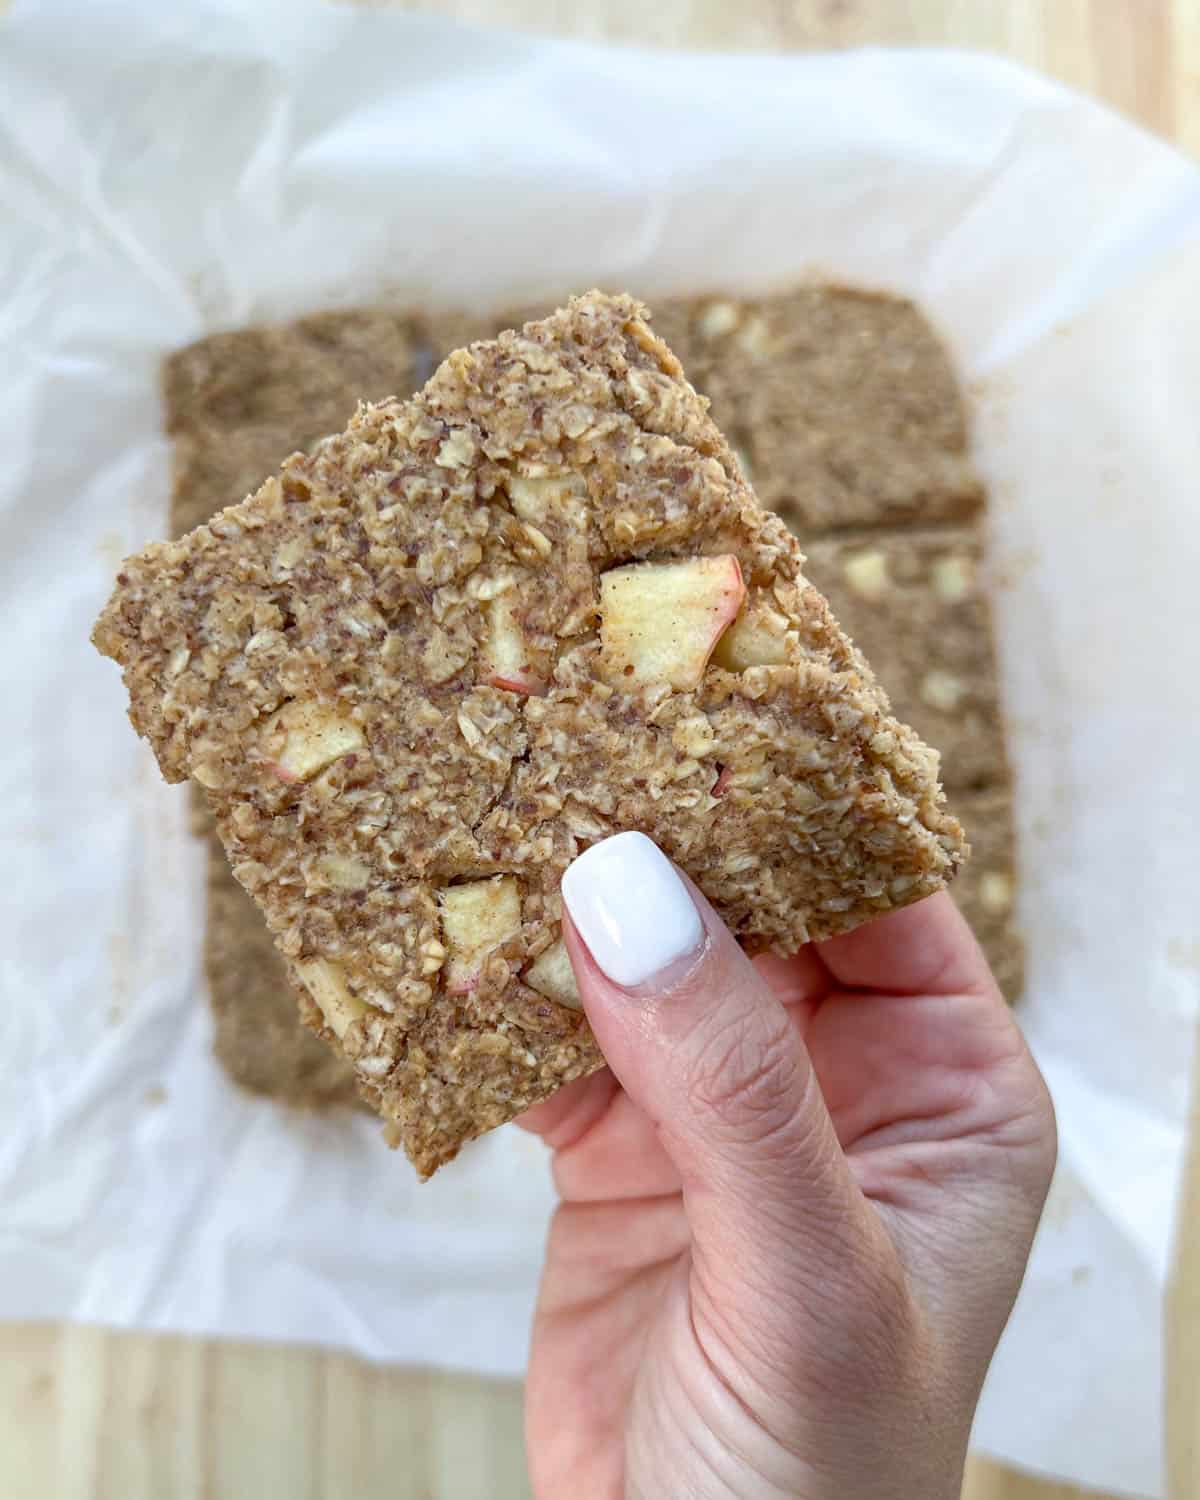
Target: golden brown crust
[{"x": 317, "y": 658}]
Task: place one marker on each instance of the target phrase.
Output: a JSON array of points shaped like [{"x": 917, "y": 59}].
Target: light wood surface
[{"x": 89, "y": 1415}]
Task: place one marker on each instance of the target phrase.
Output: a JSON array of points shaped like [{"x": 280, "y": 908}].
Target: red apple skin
[
  {"x": 460, "y": 979},
  {"x": 282, "y": 772},
  {"x": 721, "y": 785},
  {"x": 528, "y": 685},
  {"x": 735, "y": 597}
]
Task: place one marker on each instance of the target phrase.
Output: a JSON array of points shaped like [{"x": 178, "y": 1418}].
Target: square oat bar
[
  {"x": 258, "y": 1039},
  {"x": 292, "y": 371},
  {"x": 431, "y": 661},
  {"x": 842, "y": 404},
  {"x": 912, "y": 601},
  {"x": 238, "y": 403},
  {"x": 986, "y": 893}
]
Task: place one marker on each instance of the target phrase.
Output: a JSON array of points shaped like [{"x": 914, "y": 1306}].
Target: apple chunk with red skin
[
  {"x": 508, "y": 650},
  {"x": 477, "y": 917},
  {"x": 660, "y": 622},
  {"x": 306, "y": 736}
]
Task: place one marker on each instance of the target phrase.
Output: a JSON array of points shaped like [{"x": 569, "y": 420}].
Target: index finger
[{"x": 924, "y": 949}]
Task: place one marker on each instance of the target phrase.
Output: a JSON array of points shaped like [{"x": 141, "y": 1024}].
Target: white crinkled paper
[{"x": 169, "y": 170}]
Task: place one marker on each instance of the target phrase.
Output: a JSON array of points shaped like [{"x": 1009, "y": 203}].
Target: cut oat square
[
  {"x": 842, "y": 404},
  {"x": 426, "y": 665},
  {"x": 257, "y": 1037},
  {"x": 238, "y": 403},
  {"x": 987, "y": 892},
  {"x": 914, "y": 603}
]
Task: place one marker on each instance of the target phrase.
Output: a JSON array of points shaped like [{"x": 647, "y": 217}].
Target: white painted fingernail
[{"x": 631, "y": 908}]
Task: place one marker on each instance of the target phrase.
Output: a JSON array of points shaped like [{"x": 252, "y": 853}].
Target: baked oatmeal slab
[
  {"x": 913, "y": 601},
  {"x": 431, "y": 661},
  {"x": 843, "y": 404},
  {"x": 257, "y": 1038},
  {"x": 987, "y": 892}
]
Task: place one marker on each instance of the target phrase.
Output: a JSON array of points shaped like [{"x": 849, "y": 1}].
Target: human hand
[{"x": 795, "y": 1213}]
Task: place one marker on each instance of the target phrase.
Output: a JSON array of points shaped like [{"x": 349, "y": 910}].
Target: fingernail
[{"x": 631, "y": 908}]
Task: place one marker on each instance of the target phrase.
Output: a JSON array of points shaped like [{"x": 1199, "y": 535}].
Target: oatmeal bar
[
  {"x": 258, "y": 1039},
  {"x": 238, "y": 403},
  {"x": 227, "y": 435},
  {"x": 986, "y": 893},
  {"x": 913, "y": 602},
  {"x": 427, "y": 664},
  {"x": 252, "y": 376},
  {"x": 842, "y": 404},
  {"x": 675, "y": 320}
]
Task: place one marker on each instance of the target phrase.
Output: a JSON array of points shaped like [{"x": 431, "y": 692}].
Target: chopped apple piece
[
  {"x": 508, "y": 650},
  {"x": 551, "y": 975},
  {"x": 659, "y": 622},
  {"x": 867, "y": 573},
  {"x": 757, "y": 638},
  {"x": 535, "y": 500},
  {"x": 305, "y": 736},
  {"x": 342, "y": 872},
  {"x": 327, "y": 986},
  {"x": 476, "y": 918}
]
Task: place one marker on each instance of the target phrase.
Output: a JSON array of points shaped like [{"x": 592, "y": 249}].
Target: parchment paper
[{"x": 169, "y": 170}]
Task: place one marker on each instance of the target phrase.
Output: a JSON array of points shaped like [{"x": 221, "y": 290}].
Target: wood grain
[{"x": 89, "y": 1415}]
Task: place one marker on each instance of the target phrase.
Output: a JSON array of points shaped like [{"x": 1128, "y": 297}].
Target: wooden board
[{"x": 88, "y": 1415}]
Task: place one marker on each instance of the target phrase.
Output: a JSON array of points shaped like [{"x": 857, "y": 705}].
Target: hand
[{"x": 795, "y": 1213}]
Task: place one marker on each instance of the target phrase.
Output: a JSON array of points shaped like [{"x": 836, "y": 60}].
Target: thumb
[{"x": 701, "y": 1044}]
